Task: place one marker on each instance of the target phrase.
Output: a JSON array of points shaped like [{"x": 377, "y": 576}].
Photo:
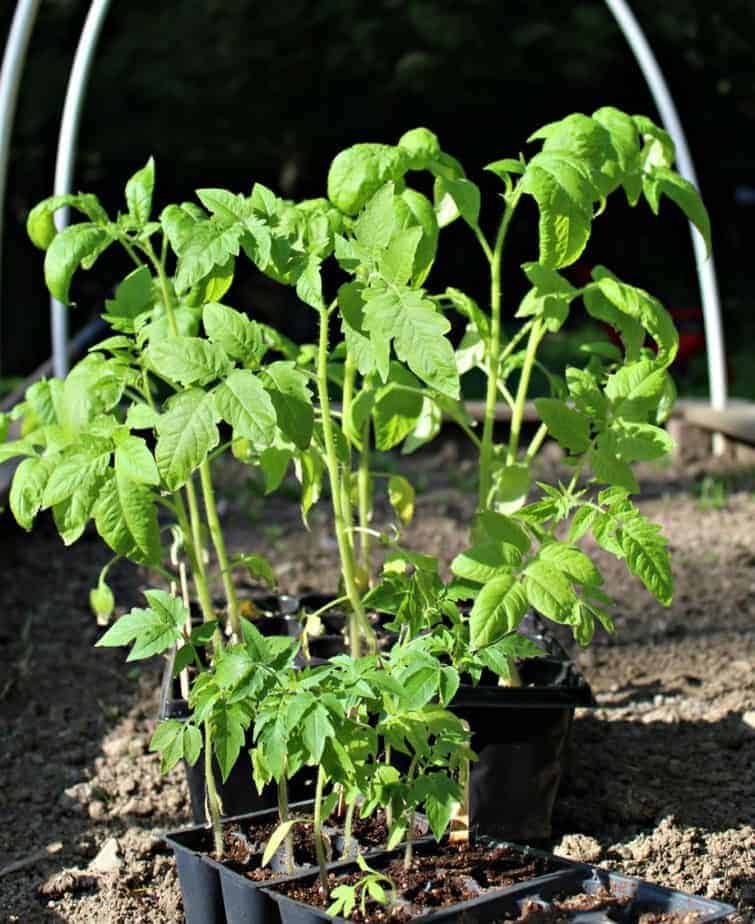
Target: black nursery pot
[
  {"x": 521, "y": 736},
  {"x": 237, "y": 794},
  {"x": 210, "y": 891}
]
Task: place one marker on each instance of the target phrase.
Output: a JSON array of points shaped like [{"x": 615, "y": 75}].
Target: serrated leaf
[
  {"x": 411, "y": 321},
  {"x": 568, "y": 426},
  {"x": 498, "y": 609},
  {"x": 485, "y": 561},
  {"x": 572, "y": 562},
  {"x": 139, "y": 191},
  {"x": 635, "y": 390},
  {"x": 227, "y": 739},
  {"x": 188, "y": 360},
  {"x": 238, "y": 336},
  {"x": 125, "y": 515},
  {"x": 206, "y": 244},
  {"x": 548, "y": 591},
  {"x": 564, "y": 192},
  {"x": 241, "y": 400},
  {"x": 309, "y": 284},
  {"x": 316, "y": 729},
  {"x": 647, "y": 556},
  {"x": 608, "y": 468},
  {"x": 187, "y": 431},
  {"x": 501, "y": 528},
  {"x": 640, "y": 442}
]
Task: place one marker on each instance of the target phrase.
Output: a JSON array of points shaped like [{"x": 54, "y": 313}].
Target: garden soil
[{"x": 661, "y": 782}]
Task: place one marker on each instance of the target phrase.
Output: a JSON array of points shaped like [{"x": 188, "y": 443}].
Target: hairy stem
[
  {"x": 212, "y": 799},
  {"x": 493, "y": 356},
  {"x": 283, "y": 816},
  {"x": 533, "y": 343},
  {"x": 213, "y": 521},
  {"x": 317, "y": 830},
  {"x": 348, "y": 828},
  {"x": 363, "y": 494},
  {"x": 358, "y": 623}
]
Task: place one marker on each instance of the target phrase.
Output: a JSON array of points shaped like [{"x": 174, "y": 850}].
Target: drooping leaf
[
  {"x": 125, "y": 515},
  {"x": 133, "y": 459},
  {"x": 647, "y": 556},
  {"x": 68, "y": 250}
]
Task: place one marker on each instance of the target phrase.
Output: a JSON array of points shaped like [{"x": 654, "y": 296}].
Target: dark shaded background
[{"x": 226, "y": 92}]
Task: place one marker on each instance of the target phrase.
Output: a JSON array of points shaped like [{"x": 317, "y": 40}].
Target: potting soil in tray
[
  {"x": 438, "y": 877},
  {"x": 245, "y": 842},
  {"x": 594, "y": 908}
]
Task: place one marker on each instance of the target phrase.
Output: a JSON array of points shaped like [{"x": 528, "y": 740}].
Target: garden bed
[{"x": 660, "y": 785}]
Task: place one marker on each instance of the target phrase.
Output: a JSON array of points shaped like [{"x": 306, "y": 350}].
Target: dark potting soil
[
  {"x": 564, "y": 909},
  {"x": 245, "y": 842},
  {"x": 437, "y": 877}
]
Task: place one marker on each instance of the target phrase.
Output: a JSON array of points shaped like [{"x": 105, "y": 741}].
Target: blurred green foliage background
[{"x": 227, "y": 92}]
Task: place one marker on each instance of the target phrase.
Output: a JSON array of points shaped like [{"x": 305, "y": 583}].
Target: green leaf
[
  {"x": 397, "y": 261},
  {"x": 470, "y": 309},
  {"x": 396, "y": 411},
  {"x": 563, "y": 189},
  {"x": 642, "y": 307},
  {"x": 168, "y": 741},
  {"x": 498, "y": 609},
  {"x": 309, "y": 284},
  {"x": 139, "y": 191},
  {"x": 636, "y": 389},
  {"x": 27, "y": 489},
  {"x": 569, "y": 427},
  {"x": 485, "y": 561},
  {"x": 572, "y": 562},
  {"x": 647, "y": 555},
  {"x": 241, "y": 400},
  {"x": 419, "y": 213},
  {"x": 440, "y": 795},
  {"x": 351, "y": 305},
  {"x": 421, "y": 146},
  {"x": 465, "y": 195},
  {"x": 192, "y": 744},
  {"x": 417, "y": 329},
  {"x": 75, "y": 469},
  {"x": 141, "y": 416},
  {"x": 258, "y": 567},
  {"x": 426, "y": 428},
  {"x": 187, "y": 432},
  {"x": 188, "y": 360},
  {"x": 640, "y": 442},
  {"x": 276, "y": 839},
  {"x": 357, "y": 173},
  {"x": 125, "y": 515},
  {"x": 586, "y": 394},
  {"x": 608, "y": 468},
  {"x": 135, "y": 461},
  {"x": 401, "y": 497},
  {"x": 152, "y": 630},
  {"x": 548, "y": 591},
  {"x": 227, "y": 739},
  {"x": 316, "y": 729},
  {"x": 501, "y": 528},
  {"x": 207, "y": 244},
  {"x": 289, "y": 392},
  {"x": 511, "y": 484},
  {"x": 238, "y": 336},
  {"x": 66, "y": 253},
  {"x": 274, "y": 464},
  {"x": 665, "y": 182},
  {"x": 133, "y": 296},
  {"x": 375, "y": 226}
]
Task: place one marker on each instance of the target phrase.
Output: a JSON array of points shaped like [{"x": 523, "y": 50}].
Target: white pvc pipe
[
  {"x": 706, "y": 272},
  {"x": 69, "y": 129},
  {"x": 10, "y": 80}
]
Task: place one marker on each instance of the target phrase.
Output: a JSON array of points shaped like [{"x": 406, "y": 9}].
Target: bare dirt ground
[{"x": 661, "y": 783}]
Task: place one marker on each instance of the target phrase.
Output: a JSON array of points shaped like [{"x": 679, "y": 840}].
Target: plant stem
[
  {"x": 358, "y": 623},
  {"x": 213, "y": 521},
  {"x": 164, "y": 288},
  {"x": 493, "y": 356},
  {"x": 348, "y": 827},
  {"x": 388, "y": 808},
  {"x": 363, "y": 493},
  {"x": 283, "y": 816},
  {"x": 194, "y": 545},
  {"x": 521, "y": 394},
  {"x": 317, "y": 829},
  {"x": 536, "y": 443},
  {"x": 212, "y": 799},
  {"x": 409, "y": 850}
]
